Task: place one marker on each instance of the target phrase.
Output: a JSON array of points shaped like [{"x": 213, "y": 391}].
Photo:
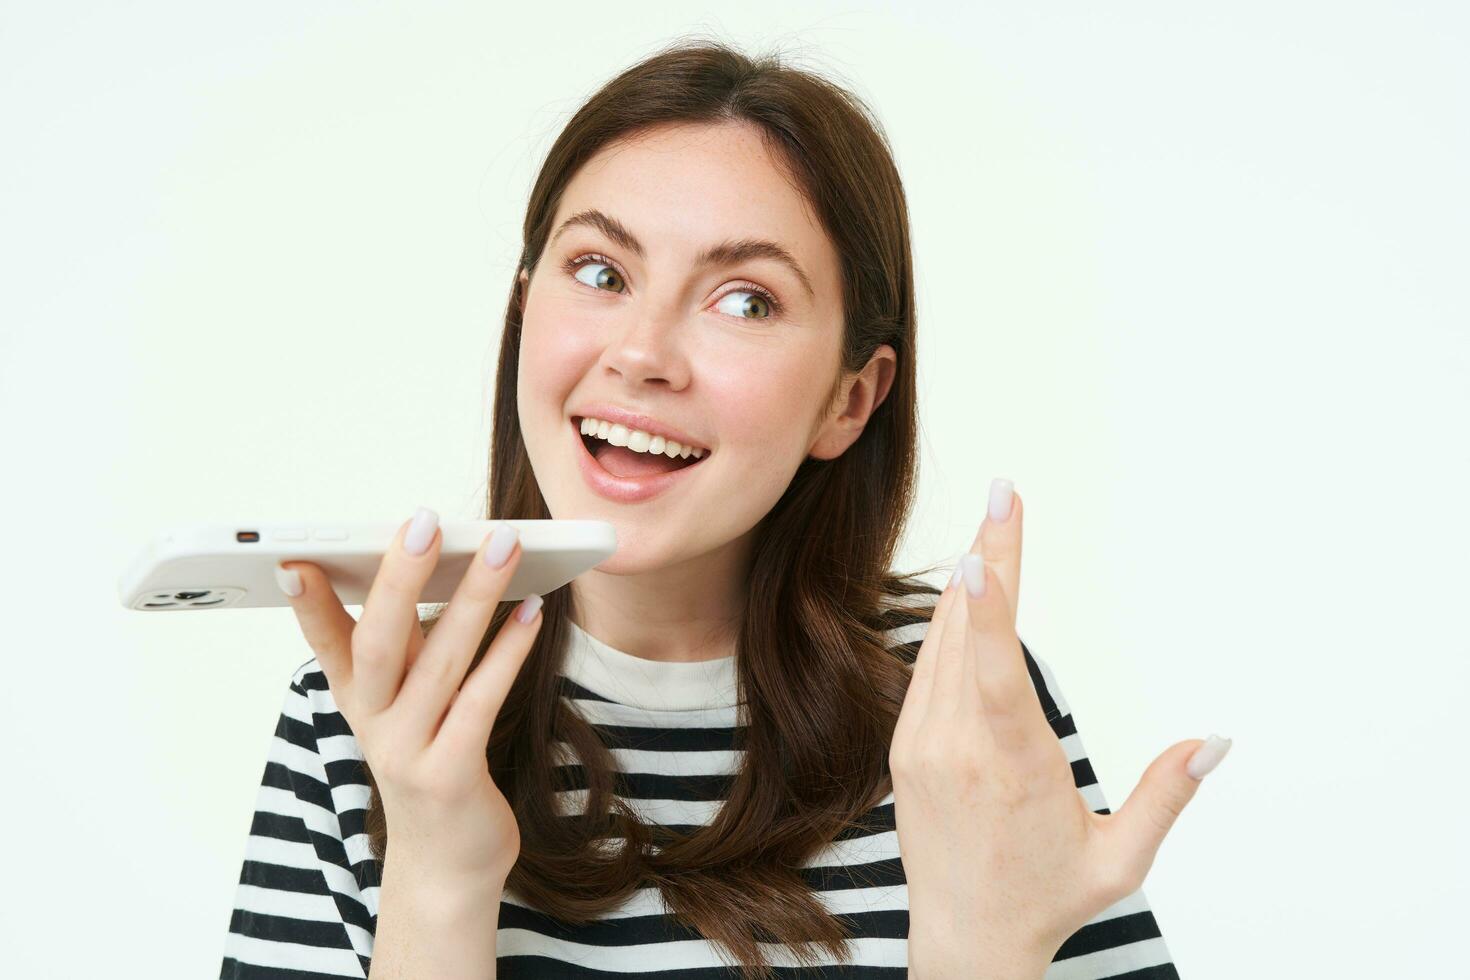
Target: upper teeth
[{"x": 637, "y": 440}]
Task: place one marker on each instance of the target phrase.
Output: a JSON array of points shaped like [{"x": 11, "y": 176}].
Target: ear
[
  {"x": 859, "y": 397},
  {"x": 523, "y": 283}
]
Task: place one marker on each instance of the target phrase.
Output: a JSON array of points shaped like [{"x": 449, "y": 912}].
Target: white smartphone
[{"x": 232, "y": 566}]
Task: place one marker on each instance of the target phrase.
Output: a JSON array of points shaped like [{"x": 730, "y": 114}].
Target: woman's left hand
[{"x": 1003, "y": 858}]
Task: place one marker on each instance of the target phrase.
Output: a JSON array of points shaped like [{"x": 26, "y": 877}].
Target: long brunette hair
[{"x": 820, "y": 686}]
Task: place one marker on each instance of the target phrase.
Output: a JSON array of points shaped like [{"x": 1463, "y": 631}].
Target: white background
[{"x": 1192, "y": 275}]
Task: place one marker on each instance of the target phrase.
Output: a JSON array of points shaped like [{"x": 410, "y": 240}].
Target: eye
[
  {"x": 758, "y": 305},
  {"x": 598, "y": 274}
]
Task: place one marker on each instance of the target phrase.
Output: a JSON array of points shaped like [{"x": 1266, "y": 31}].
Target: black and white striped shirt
[{"x": 307, "y": 901}]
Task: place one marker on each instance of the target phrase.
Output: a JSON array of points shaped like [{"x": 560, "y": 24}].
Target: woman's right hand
[{"x": 422, "y": 732}]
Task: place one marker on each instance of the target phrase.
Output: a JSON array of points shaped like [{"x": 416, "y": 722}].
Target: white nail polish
[
  {"x": 1001, "y": 491},
  {"x": 420, "y": 533},
  {"x": 289, "y": 579},
  {"x": 973, "y": 567},
  {"x": 528, "y": 608},
  {"x": 502, "y": 543},
  {"x": 1207, "y": 756}
]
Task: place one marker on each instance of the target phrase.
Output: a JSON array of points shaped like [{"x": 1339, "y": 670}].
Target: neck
[{"x": 686, "y": 612}]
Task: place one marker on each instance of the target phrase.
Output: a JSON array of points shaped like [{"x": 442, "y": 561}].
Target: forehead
[{"x": 682, "y": 186}]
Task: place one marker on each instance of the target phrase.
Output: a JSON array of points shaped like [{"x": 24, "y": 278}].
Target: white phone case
[{"x": 232, "y": 566}]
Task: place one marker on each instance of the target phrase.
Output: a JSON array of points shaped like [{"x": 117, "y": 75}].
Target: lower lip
[{"x": 623, "y": 489}]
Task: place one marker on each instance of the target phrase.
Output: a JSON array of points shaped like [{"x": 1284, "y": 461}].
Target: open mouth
[{"x": 629, "y": 464}]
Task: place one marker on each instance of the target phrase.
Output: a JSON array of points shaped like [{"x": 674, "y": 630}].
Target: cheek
[
  {"x": 766, "y": 402},
  {"x": 552, "y": 356}
]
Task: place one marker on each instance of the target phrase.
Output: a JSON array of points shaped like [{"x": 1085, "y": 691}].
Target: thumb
[{"x": 1167, "y": 786}]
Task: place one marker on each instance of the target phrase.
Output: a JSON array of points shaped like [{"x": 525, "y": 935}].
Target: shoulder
[
  {"x": 309, "y": 681},
  {"x": 311, "y": 720}
]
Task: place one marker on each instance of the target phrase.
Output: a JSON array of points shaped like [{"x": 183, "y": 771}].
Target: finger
[
  {"x": 1000, "y": 540},
  {"x": 921, "y": 679},
  {"x": 390, "y": 613},
  {"x": 972, "y": 707},
  {"x": 415, "y": 644},
  {"x": 1017, "y": 722},
  {"x": 447, "y": 652},
  {"x": 946, "y": 699},
  {"x": 472, "y": 713},
  {"x": 1137, "y": 829},
  {"x": 326, "y": 625}
]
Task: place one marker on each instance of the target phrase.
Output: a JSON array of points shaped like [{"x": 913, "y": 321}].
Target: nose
[{"x": 650, "y": 349}]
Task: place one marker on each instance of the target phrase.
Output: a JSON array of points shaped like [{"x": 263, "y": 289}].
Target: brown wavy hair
[{"x": 821, "y": 687}]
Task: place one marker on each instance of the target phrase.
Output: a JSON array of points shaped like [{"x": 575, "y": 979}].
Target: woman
[{"x": 705, "y": 756}]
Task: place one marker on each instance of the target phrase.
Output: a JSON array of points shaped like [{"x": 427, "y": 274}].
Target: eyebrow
[{"x": 725, "y": 253}]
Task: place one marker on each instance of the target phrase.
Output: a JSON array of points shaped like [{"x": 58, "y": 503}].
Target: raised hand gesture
[{"x": 1003, "y": 857}]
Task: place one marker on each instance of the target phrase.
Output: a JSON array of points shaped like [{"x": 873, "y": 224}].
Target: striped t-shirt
[{"x": 307, "y": 901}]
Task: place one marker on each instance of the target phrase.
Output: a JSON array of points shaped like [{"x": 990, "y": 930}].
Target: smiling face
[{"x": 738, "y": 351}]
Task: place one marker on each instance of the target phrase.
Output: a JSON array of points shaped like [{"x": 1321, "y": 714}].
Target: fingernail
[
  {"x": 289, "y": 579},
  {"x": 954, "y": 580},
  {"x": 973, "y": 567},
  {"x": 526, "y": 611},
  {"x": 420, "y": 531},
  {"x": 502, "y": 543},
  {"x": 1207, "y": 756},
  {"x": 1000, "y": 499}
]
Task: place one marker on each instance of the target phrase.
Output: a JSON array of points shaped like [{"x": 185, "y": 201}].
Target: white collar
[{"x": 655, "y": 685}]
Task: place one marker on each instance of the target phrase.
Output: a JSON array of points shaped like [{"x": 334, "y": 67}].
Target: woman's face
[{"x": 642, "y": 325}]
